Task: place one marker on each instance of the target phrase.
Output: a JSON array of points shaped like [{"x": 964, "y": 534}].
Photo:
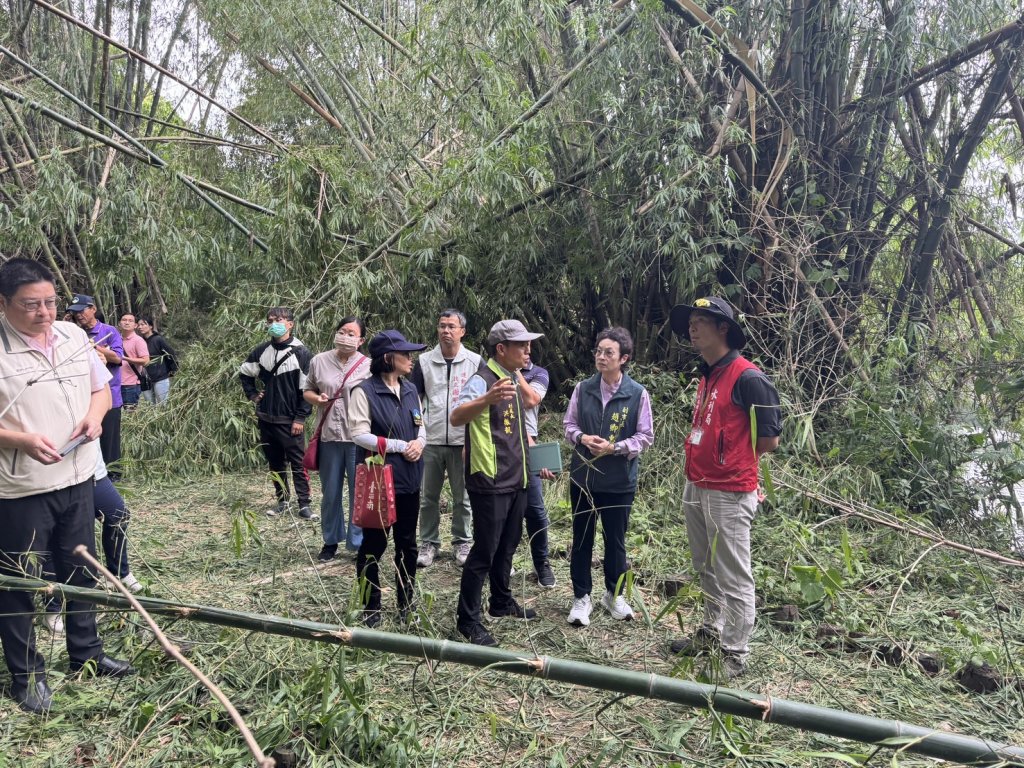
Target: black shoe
[
  {"x": 307, "y": 514},
  {"x": 545, "y": 576},
  {"x": 733, "y": 665},
  {"x": 704, "y": 640},
  {"x": 512, "y": 611},
  {"x": 477, "y": 635},
  {"x": 371, "y": 618},
  {"x": 35, "y": 698},
  {"x": 407, "y": 614},
  {"x": 104, "y": 666},
  {"x": 328, "y": 553}
]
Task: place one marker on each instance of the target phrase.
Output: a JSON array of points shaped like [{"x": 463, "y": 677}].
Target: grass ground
[{"x": 207, "y": 541}]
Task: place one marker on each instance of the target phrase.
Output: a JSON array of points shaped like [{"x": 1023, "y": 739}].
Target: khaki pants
[
  {"x": 718, "y": 526},
  {"x": 438, "y": 461}
]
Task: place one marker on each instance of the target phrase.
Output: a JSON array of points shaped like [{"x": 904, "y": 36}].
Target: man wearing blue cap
[
  {"x": 721, "y": 496},
  {"x": 110, "y": 347}
]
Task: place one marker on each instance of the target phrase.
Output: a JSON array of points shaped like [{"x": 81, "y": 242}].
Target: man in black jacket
[{"x": 281, "y": 365}]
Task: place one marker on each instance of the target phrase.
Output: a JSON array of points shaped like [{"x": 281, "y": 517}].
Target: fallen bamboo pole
[
  {"x": 849, "y": 510},
  {"x": 847, "y": 725}
]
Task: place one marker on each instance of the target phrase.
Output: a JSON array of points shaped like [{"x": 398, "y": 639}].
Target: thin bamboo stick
[
  {"x": 175, "y": 652},
  {"x": 754, "y": 706}
]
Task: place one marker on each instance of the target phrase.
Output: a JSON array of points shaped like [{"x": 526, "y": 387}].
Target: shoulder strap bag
[{"x": 311, "y": 458}]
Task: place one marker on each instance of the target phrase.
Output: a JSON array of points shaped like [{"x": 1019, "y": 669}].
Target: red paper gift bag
[{"x": 375, "y": 493}]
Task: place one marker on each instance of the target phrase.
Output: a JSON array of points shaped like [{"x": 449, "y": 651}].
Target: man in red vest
[{"x": 721, "y": 493}]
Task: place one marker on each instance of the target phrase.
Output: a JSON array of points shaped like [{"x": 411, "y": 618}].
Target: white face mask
[{"x": 344, "y": 342}]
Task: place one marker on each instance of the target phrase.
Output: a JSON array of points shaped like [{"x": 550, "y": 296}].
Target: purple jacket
[{"x": 108, "y": 336}]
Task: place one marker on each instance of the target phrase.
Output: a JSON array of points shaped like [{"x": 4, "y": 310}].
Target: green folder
[{"x": 546, "y": 456}]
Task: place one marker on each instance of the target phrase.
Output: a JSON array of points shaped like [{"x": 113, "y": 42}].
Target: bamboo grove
[{"x": 844, "y": 172}]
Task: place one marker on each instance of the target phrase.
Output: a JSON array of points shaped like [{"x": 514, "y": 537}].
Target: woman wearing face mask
[{"x": 332, "y": 375}]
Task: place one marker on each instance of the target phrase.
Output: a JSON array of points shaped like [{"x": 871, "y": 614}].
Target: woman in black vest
[
  {"x": 608, "y": 423},
  {"x": 387, "y": 406}
]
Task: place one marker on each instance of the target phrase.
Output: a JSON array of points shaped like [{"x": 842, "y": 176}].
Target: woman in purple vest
[
  {"x": 608, "y": 424},
  {"x": 387, "y": 406}
]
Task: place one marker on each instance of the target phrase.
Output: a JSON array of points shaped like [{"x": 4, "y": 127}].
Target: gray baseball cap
[{"x": 510, "y": 330}]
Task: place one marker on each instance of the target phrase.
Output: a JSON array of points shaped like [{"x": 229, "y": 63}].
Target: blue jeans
[
  {"x": 130, "y": 394},
  {"x": 337, "y": 462},
  {"x": 536, "y": 517},
  {"x": 111, "y": 507},
  {"x": 159, "y": 391}
]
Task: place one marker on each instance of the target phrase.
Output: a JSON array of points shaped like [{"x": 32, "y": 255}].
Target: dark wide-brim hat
[
  {"x": 713, "y": 307},
  {"x": 392, "y": 341}
]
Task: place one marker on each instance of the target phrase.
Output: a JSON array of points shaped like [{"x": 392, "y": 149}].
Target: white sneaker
[
  {"x": 617, "y": 606},
  {"x": 132, "y": 584},
  {"x": 461, "y": 552},
  {"x": 428, "y": 552},
  {"x": 579, "y": 616},
  {"x": 54, "y": 623},
  {"x": 278, "y": 509}
]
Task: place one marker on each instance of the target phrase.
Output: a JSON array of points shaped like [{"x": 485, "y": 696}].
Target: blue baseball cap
[
  {"x": 80, "y": 301},
  {"x": 392, "y": 341}
]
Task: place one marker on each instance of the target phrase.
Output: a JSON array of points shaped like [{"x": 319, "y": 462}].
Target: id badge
[{"x": 696, "y": 436}]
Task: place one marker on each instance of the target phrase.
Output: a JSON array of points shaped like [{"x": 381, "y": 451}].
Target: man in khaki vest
[{"x": 54, "y": 393}]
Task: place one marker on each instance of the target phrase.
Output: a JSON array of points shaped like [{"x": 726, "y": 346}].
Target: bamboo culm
[{"x": 959, "y": 748}]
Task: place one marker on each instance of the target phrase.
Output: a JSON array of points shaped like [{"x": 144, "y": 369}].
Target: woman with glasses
[
  {"x": 332, "y": 376},
  {"x": 608, "y": 424},
  {"x": 384, "y": 412}
]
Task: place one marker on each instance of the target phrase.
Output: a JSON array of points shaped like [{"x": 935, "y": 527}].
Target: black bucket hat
[{"x": 714, "y": 307}]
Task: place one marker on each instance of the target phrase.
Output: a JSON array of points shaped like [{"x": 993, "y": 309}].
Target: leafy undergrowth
[{"x": 207, "y": 541}]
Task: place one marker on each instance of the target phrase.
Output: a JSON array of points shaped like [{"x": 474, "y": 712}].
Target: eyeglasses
[
  {"x": 33, "y": 305},
  {"x": 604, "y": 352}
]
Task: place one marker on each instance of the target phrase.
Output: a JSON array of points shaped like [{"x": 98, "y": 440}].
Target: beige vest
[{"x": 51, "y": 400}]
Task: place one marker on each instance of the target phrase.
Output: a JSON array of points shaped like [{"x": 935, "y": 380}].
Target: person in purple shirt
[
  {"x": 110, "y": 347},
  {"x": 608, "y": 424}
]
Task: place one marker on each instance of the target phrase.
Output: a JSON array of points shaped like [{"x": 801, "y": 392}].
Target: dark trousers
[
  {"x": 111, "y": 509},
  {"x": 375, "y": 542},
  {"x": 497, "y": 531},
  {"x": 614, "y": 511},
  {"x": 57, "y": 522},
  {"x": 536, "y": 516},
  {"x": 284, "y": 450},
  {"x": 110, "y": 442}
]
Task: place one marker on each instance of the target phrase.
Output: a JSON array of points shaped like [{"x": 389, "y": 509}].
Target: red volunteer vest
[{"x": 724, "y": 458}]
